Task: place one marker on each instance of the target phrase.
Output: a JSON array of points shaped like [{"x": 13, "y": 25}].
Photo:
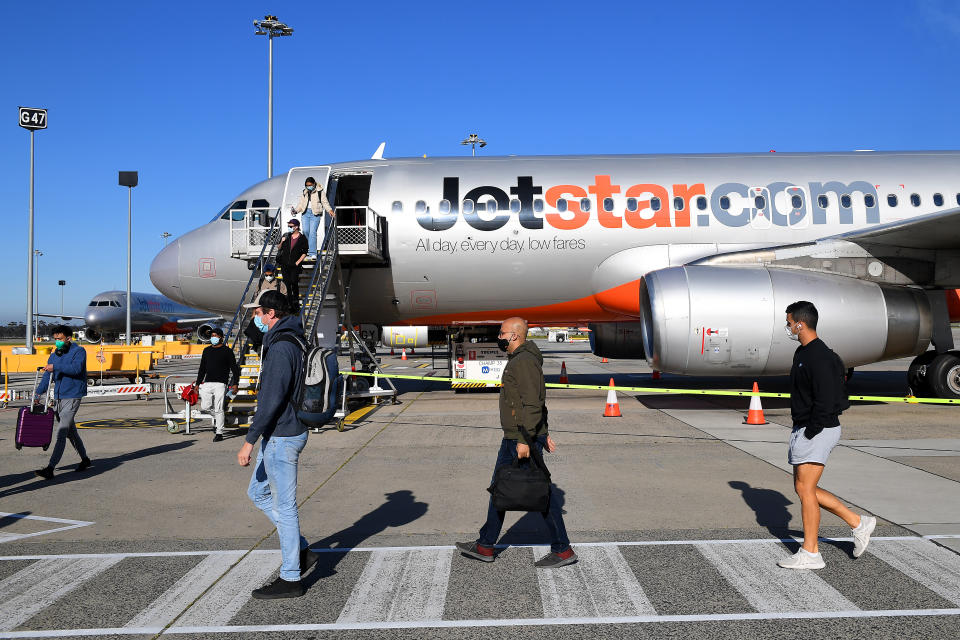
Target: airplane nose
[{"x": 165, "y": 271}]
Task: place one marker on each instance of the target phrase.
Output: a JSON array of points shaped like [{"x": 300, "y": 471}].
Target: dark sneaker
[
  {"x": 308, "y": 558},
  {"x": 476, "y": 551},
  {"x": 218, "y": 437},
  {"x": 84, "y": 465},
  {"x": 46, "y": 473},
  {"x": 279, "y": 588},
  {"x": 555, "y": 560}
]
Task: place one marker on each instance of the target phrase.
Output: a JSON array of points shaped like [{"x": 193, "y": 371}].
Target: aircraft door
[{"x": 293, "y": 189}]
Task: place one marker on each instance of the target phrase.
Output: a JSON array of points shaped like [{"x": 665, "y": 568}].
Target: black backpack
[{"x": 319, "y": 384}]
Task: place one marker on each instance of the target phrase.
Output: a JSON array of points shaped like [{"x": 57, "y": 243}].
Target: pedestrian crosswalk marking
[
  {"x": 39, "y": 585},
  {"x": 752, "y": 570},
  {"x": 934, "y": 567},
  {"x": 229, "y": 595},
  {"x": 400, "y": 585},
  {"x": 600, "y": 584}
]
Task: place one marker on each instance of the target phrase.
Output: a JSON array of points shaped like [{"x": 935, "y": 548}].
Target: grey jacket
[
  {"x": 316, "y": 200},
  {"x": 279, "y": 377}
]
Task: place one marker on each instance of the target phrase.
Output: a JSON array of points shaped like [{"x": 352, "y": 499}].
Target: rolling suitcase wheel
[{"x": 46, "y": 447}]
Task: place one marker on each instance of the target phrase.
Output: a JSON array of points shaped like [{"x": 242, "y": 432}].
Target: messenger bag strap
[{"x": 534, "y": 452}]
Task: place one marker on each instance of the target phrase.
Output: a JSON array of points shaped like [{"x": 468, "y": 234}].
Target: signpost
[{"x": 31, "y": 119}]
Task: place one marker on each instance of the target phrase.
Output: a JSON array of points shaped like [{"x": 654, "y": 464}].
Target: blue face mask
[
  {"x": 312, "y": 187},
  {"x": 214, "y": 340},
  {"x": 260, "y": 324}
]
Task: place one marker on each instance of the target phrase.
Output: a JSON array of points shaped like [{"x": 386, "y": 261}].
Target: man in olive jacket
[{"x": 522, "y": 404}]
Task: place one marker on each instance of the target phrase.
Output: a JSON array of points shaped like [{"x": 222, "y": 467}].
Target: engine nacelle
[
  {"x": 707, "y": 320},
  {"x": 92, "y": 335},
  {"x": 204, "y": 331},
  {"x": 617, "y": 340},
  {"x": 402, "y": 337}
]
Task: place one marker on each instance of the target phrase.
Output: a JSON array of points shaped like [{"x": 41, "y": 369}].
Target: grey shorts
[{"x": 816, "y": 450}]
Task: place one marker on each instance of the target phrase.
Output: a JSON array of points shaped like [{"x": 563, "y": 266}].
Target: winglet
[{"x": 378, "y": 154}]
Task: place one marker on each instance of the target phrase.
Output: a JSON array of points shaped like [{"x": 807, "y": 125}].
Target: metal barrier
[
  {"x": 251, "y": 230},
  {"x": 189, "y": 413},
  {"x": 359, "y": 232}
]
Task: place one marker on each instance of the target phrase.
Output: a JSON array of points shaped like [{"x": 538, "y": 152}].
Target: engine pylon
[
  {"x": 613, "y": 405},
  {"x": 755, "y": 414},
  {"x": 563, "y": 373}
]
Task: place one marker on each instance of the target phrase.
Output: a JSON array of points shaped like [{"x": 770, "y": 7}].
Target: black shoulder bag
[{"x": 522, "y": 488}]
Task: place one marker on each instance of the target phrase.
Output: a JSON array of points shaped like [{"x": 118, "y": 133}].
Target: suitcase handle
[{"x": 46, "y": 396}]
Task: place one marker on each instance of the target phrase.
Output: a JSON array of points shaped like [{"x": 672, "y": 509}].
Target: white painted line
[
  {"x": 932, "y": 566},
  {"x": 4, "y": 514},
  {"x": 71, "y": 524},
  {"x": 229, "y": 595},
  {"x": 400, "y": 586},
  {"x": 181, "y": 595},
  {"x": 752, "y": 570},
  {"x": 600, "y": 584},
  {"x": 41, "y": 584}
]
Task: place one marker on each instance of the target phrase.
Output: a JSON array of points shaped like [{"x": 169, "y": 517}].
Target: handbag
[
  {"x": 190, "y": 395},
  {"x": 522, "y": 488}
]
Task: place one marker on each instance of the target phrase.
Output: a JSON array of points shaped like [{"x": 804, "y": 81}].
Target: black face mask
[{"x": 503, "y": 343}]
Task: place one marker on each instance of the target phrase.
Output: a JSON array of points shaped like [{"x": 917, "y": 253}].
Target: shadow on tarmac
[
  {"x": 770, "y": 507},
  {"x": 6, "y": 521},
  {"x": 530, "y": 528},
  {"x": 100, "y": 465},
  {"x": 400, "y": 508}
]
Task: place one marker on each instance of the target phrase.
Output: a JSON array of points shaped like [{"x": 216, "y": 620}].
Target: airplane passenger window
[
  {"x": 397, "y": 207},
  {"x": 915, "y": 199},
  {"x": 938, "y": 199},
  {"x": 562, "y": 205},
  {"x": 608, "y": 204},
  {"x": 538, "y": 205},
  {"x": 796, "y": 201},
  {"x": 420, "y": 207},
  {"x": 725, "y": 203},
  {"x": 655, "y": 204},
  {"x": 702, "y": 203},
  {"x": 444, "y": 206},
  {"x": 467, "y": 206},
  {"x": 515, "y": 206},
  {"x": 845, "y": 201},
  {"x": 892, "y": 199},
  {"x": 678, "y": 203},
  {"x": 631, "y": 204},
  {"x": 584, "y": 204},
  {"x": 823, "y": 201},
  {"x": 760, "y": 202},
  {"x": 869, "y": 200}
]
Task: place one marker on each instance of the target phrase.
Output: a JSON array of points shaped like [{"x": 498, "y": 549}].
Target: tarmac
[{"x": 677, "y": 510}]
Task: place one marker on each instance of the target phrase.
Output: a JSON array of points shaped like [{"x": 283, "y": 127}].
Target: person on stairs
[{"x": 291, "y": 253}]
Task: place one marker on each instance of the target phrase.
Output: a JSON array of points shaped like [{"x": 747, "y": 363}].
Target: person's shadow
[
  {"x": 400, "y": 508},
  {"x": 100, "y": 465},
  {"x": 770, "y": 507}
]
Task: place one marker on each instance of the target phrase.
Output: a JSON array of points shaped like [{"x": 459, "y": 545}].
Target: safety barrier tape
[{"x": 692, "y": 392}]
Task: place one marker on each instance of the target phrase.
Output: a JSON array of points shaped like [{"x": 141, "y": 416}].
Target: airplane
[
  {"x": 106, "y": 316},
  {"x": 687, "y": 260}
]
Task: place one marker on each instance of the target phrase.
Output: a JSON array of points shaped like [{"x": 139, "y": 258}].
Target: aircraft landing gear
[{"x": 935, "y": 374}]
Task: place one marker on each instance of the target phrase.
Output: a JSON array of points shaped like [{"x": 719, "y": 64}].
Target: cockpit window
[
  {"x": 225, "y": 212},
  {"x": 114, "y": 303}
]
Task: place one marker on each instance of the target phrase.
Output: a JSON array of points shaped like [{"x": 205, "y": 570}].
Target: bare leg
[
  {"x": 832, "y": 504},
  {"x": 805, "y": 479}
]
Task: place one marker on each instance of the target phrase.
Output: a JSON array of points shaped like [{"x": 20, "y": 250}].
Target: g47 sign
[{"x": 33, "y": 118}]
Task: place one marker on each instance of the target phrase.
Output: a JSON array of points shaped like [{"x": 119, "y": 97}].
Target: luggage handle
[
  {"x": 535, "y": 454},
  {"x": 46, "y": 396}
]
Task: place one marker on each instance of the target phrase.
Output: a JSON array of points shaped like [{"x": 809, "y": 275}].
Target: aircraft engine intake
[
  {"x": 703, "y": 320},
  {"x": 204, "y": 331},
  {"x": 617, "y": 340},
  {"x": 92, "y": 335}
]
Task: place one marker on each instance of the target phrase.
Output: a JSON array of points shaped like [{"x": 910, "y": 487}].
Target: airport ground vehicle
[{"x": 558, "y": 335}]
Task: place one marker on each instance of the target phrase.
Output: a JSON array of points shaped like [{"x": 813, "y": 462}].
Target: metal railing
[
  {"x": 250, "y": 229},
  {"x": 265, "y": 254},
  {"x": 323, "y": 275},
  {"x": 359, "y": 231}
]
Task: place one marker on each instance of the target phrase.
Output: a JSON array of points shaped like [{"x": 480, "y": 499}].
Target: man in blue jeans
[
  {"x": 522, "y": 404},
  {"x": 273, "y": 486},
  {"x": 67, "y": 366}
]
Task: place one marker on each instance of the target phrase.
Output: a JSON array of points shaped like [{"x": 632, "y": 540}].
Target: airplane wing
[
  {"x": 939, "y": 230},
  {"x": 195, "y": 320},
  {"x": 58, "y": 315}
]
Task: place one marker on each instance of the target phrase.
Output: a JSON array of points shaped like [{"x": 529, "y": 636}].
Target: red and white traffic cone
[
  {"x": 613, "y": 405},
  {"x": 403, "y": 355},
  {"x": 755, "y": 414},
  {"x": 563, "y": 373},
  {"x": 604, "y": 360}
]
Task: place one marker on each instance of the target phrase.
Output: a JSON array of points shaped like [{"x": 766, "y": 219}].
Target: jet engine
[
  {"x": 617, "y": 340},
  {"x": 708, "y": 320},
  {"x": 92, "y": 335},
  {"x": 204, "y": 331},
  {"x": 402, "y": 337}
]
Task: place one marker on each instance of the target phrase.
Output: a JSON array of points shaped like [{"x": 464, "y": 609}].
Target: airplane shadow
[
  {"x": 400, "y": 508},
  {"x": 100, "y": 465}
]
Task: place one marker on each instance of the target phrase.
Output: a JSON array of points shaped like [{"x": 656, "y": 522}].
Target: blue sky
[{"x": 177, "y": 91}]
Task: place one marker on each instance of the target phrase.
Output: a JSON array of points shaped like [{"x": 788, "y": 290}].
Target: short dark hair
[
  {"x": 805, "y": 312},
  {"x": 216, "y": 331},
  {"x": 274, "y": 301},
  {"x": 294, "y": 222},
  {"x": 308, "y": 180},
  {"x": 63, "y": 330}
]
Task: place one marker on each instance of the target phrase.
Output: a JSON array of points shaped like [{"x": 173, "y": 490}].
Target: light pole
[
  {"x": 271, "y": 28},
  {"x": 129, "y": 179},
  {"x": 36, "y": 317},
  {"x": 62, "y": 284},
  {"x": 164, "y": 236},
  {"x": 31, "y": 119},
  {"x": 473, "y": 141}
]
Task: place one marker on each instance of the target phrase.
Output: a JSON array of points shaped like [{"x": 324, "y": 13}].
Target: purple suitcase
[{"x": 35, "y": 429}]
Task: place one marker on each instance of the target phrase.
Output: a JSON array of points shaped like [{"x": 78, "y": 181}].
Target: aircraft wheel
[
  {"x": 943, "y": 375},
  {"x": 91, "y": 381},
  {"x": 138, "y": 380},
  {"x": 172, "y": 427},
  {"x": 917, "y": 377}
]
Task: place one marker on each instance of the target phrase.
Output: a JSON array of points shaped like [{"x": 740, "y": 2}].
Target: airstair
[{"x": 324, "y": 288}]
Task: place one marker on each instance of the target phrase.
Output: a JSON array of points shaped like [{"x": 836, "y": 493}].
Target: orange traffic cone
[
  {"x": 403, "y": 355},
  {"x": 604, "y": 360},
  {"x": 563, "y": 373},
  {"x": 656, "y": 374},
  {"x": 755, "y": 414},
  {"x": 613, "y": 405}
]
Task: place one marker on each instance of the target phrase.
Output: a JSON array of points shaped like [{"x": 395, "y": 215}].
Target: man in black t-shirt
[{"x": 218, "y": 369}]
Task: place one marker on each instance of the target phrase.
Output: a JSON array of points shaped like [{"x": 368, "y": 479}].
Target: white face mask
[
  {"x": 268, "y": 278},
  {"x": 790, "y": 334}
]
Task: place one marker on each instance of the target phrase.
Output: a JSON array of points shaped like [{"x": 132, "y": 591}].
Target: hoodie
[
  {"x": 69, "y": 373},
  {"x": 279, "y": 377},
  {"x": 523, "y": 394}
]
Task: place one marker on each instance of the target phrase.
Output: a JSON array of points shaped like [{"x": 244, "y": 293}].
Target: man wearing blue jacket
[
  {"x": 68, "y": 367},
  {"x": 273, "y": 486}
]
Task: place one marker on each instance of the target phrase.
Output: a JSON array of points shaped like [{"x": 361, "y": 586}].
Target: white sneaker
[
  {"x": 803, "y": 559},
  {"x": 861, "y": 534}
]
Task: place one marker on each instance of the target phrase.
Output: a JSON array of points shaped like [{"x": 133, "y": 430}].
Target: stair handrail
[
  {"x": 240, "y": 313},
  {"x": 329, "y": 254}
]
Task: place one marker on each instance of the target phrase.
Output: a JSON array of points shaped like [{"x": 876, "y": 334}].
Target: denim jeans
[
  {"x": 273, "y": 488},
  {"x": 66, "y": 428},
  {"x": 311, "y": 223},
  {"x": 553, "y": 517}
]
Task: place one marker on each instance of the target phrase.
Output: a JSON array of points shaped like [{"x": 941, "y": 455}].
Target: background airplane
[{"x": 686, "y": 260}]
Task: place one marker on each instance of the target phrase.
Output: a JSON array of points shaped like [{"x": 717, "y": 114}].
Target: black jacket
[
  {"x": 279, "y": 377},
  {"x": 286, "y": 255},
  {"x": 523, "y": 394},
  {"x": 218, "y": 364},
  {"x": 818, "y": 388}
]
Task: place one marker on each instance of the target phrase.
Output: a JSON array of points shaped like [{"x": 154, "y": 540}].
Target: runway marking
[
  {"x": 178, "y": 597},
  {"x": 934, "y": 567},
  {"x": 600, "y": 584},
  {"x": 9, "y": 537},
  {"x": 752, "y": 570},
  {"x": 400, "y": 586},
  {"x": 36, "y": 587},
  {"x": 229, "y": 595}
]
